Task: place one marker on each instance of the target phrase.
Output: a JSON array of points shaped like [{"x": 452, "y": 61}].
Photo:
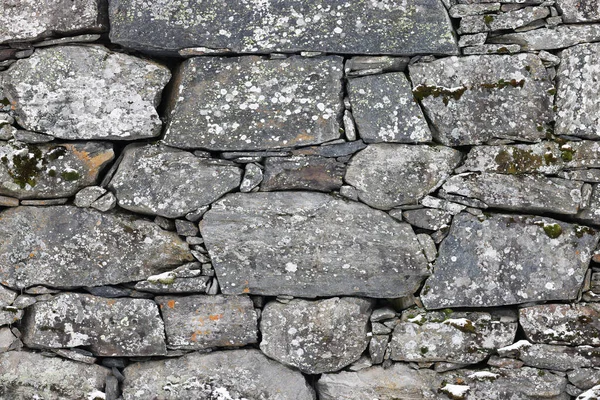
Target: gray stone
[
  {"x": 462, "y": 10},
  {"x": 332, "y": 150},
  {"x": 349, "y": 126},
  {"x": 557, "y": 358},
  {"x": 551, "y": 38},
  {"x": 367, "y": 65},
  {"x": 502, "y": 21},
  {"x": 69, "y": 39},
  {"x": 477, "y": 39},
  {"x": 303, "y": 173},
  {"x": 232, "y": 374},
  {"x": 6, "y": 201},
  {"x": 186, "y": 228},
  {"x": 253, "y": 176},
  {"x": 393, "y": 27},
  {"x": 475, "y": 99},
  {"x": 25, "y": 375},
  {"x": 105, "y": 203},
  {"x": 585, "y": 175},
  {"x": 428, "y": 246},
  {"x": 492, "y": 49},
  {"x": 291, "y": 243},
  {"x": 316, "y": 336},
  {"x": 86, "y": 92},
  {"x": 169, "y": 182},
  {"x": 47, "y": 202},
  {"x": 27, "y": 20},
  {"x": 109, "y": 291},
  {"x": 66, "y": 246},
  {"x": 584, "y": 378},
  {"x": 31, "y": 137},
  {"x": 428, "y": 218},
  {"x": 591, "y": 394},
  {"x": 434, "y": 202},
  {"x": 384, "y": 109},
  {"x": 267, "y": 104},
  {"x": 382, "y": 314},
  {"x": 514, "y": 259},
  {"x": 579, "y": 10},
  {"x": 86, "y": 196},
  {"x": 377, "y": 348},
  {"x": 173, "y": 284},
  {"x": 591, "y": 214},
  {"x": 7, "y": 340},
  {"x": 112, "y": 388},
  {"x": 390, "y": 175},
  {"x": 76, "y": 355}
]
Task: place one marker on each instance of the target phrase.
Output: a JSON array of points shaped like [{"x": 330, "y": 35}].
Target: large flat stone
[
  {"x": 169, "y": 182},
  {"x": 322, "y": 174},
  {"x": 551, "y": 38},
  {"x": 308, "y": 245},
  {"x": 249, "y": 103},
  {"x": 334, "y": 26},
  {"x": 554, "y": 357},
  {"x": 86, "y": 92},
  {"x": 390, "y": 175},
  {"x": 508, "y": 259},
  {"x": 223, "y": 375},
  {"x": 66, "y": 246},
  {"x": 316, "y": 336},
  {"x": 579, "y": 10},
  {"x": 471, "y": 100}
]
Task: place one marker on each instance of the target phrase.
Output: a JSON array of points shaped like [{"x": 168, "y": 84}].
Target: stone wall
[{"x": 334, "y": 200}]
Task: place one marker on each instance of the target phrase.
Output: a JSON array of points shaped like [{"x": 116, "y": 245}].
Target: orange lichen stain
[
  {"x": 194, "y": 337},
  {"x": 111, "y": 302},
  {"x": 215, "y": 317},
  {"x": 93, "y": 163},
  {"x": 171, "y": 304},
  {"x": 246, "y": 290},
  {"x": 32, "y": 254}
]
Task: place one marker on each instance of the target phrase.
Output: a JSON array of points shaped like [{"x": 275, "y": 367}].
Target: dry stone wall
[{"x": 276, "y": 200}]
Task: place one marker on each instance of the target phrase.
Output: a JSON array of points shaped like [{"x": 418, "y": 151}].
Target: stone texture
[
  {"x": 514, "y": 259},
  {"x": 203, "y": 322},
  {"x": 86, "y": 92},
  {"x": 174, "y": 284},
  {"x": 557, "y": 358},
  {"x": 159, "y": 180},
  {"x": 471, "y": 100},
  {"x": 551, "y": 39},
  {"x": 223, "y": 375},
  {"x": 316, "y": 336},
  {"x": 591, "y": 214},
  {"x": 368, "y": 65},
  {"x": 303, "y": 172},
  {"x": 385, "y": 111},
  {"x": 393, "y": 27},
  {"x": 107, "y": 327},
  {"x": 579, "y": 10},
  {"x": 462, "y": 10},
  {"x": 428, "y": 218},
  {"x": 502, "y": 21},
  {"x": 253, "y": 176},
  {"x": 8, "y": 313},
  {"x": 249, "y": 103},
  {"x": 86, "y": 196},
  {"x": 390, "y": 175},
  {"x": 291, "y": 243},
  {"x": 25, "y": 376},
  {"x": 584, "y": 378},
  {"x": 66, "y": 246}
]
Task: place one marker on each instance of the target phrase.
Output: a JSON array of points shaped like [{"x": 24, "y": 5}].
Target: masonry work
[{"x": 300, "y": 200}]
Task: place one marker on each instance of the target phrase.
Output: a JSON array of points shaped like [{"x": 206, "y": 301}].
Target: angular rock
[
  {"x": 86, "y": 196},
  {"x": 462, "y": 10},
  {"x": 253, "y": 176},
  {"x": 591, "y": 214},
  {"x": 579, "y": 10},
  {"x": 28, "y": 20},
  {"x": 514, "y": 259},
  {"x": 331, "y": 150},
  {"x": 67, "y": 40},
  {"x": 105, "y": 203},
  {"x": 290, "y": 243},
  {"x": 394, "y": 27},
  {"x": 584, "y": 378},
  {"x": 303, "y": 172},
  {"x": 551, "y": 38},
  {"x": 508, "y": 20},
  {"x": 66, "y": 246},
  {"x": 390, "y": 175},
  {"x": 477, "y": 39},
  {"x": 428, "y": 218},
  {"x": 367, "y": 65},
  {"x": 204, "y": 322},
  {"x": 86, "y": 92},
  {"x": 558, "y": 358},
  {"x": 7, "y": 340},
  {"x": 487, "y": 49},
  {"x": 232, "y": 374},
  {"x": 248, "y": 103},
  {"x": 25, "y": 375},
  {"x": 174, "y": 284},
  {"x": 586, "y": 175},
  {"x": 472, "y": 100},
  {"x": 384, "y": 109},
  {"x": 377, "y": 348}
]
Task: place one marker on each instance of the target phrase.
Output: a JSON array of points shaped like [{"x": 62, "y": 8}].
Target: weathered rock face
[
  {"x": 557, "y": 358},
  {"x": 248, "y": 103},
  {"x": 8, "y": 313},
  {"x": 389, "y": 175},
  {"x": 579, "y": 10},
  {"x": 316, "y": 336},
  {"x": 291, "y": 243},
  {"x": 591, "y": 214},
  {"x": 393, "y": 27},
  {"x": 233, "y": 374},
  {"x": 108, "y": 327},
  {"x": 169, "y": 182},
  {"x": 202, "y": 322},
  {"x": 66, "y": 246},
  {"x": 508, "y": 259},
  {"x": 471, "y": 100},
  {"x": 503, "y": 21},
  {"x": 25, "y": 375},
  {"x": 86, "y": 92},
  {"x": 550, "y": 39},
  {"x": 303, "y": 172}
]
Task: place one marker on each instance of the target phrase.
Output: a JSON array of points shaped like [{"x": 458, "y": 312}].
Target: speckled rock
[
  {"x": 107, "y": 327},
  {"x": 303, "y": 172},
  {"x": 25, "y": 376},
  {"x": 291, "y": 243},
  {"x": 569, "y": 324},
  {"x": 169, "y": 182},
  {"x": 591, "y": 214},
  {"x": 558, "y": 358},
  {"x": 384, "y": 109},
  {"x": 50, "y": 170},
  {"x": 391, "y": 27},
  {"x": 579, "y": 10},
  {"x": 8, "y": 314},
  {"x": 249, "y": 103},
  {"x": 86, "y": 92},
  {"x": 502, "y": 21},
  {"x": 474, "y": 99},
  {"x": 174, "y": 284},
  {"x": 223, "y": 375},
  {"x": 66, "y": 246},
  {"x": 316, "y": 336},
  {"x": 202, "y": 322},
  {"x": 428, "y": 218},
  {"x": 584, "y": 378},
  {"x": 390, "y": 175},
  {"x": 27, "y": 20},
  {"x": 514, "y": 259},
  {"x": 551, "y": 38}
]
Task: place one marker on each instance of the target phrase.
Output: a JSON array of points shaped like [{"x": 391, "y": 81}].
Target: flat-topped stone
[{"x": 551, "y": 38}]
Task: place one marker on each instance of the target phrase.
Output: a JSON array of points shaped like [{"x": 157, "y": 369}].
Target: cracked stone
[{"x": 303, "y": 173}]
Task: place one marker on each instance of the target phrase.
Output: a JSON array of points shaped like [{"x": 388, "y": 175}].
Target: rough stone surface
[
  {"x": 174, "y": 284},
  {"x": 253, "y": 176},
  {"x": 86, "y": 92},
  {"x": 248, "y": 103},
  {"x": 428, "y": 218},
  {"x": 169, "y": 182},
  {"x": 316, "y": 336},
  {"x": 579, "y": 10},
  {"x": 238, "y": 374},
  {"x": 584, "y": 378},
  {"x": 508, "y": 20},
  {"x": 86, "y": 196},
  {"x": 390, "y": 175},
  {"x": 108, "y": 327},
  {"x": 290, "y": 243},
  {"x": 514, "y": 259},
  {"x": 303, "y": 172},
  {"x": 551, "y": 39},
  {"x": 202, "y": 322},
  {"x": 558, "y": 358},
  {"x": 591, "y": 214},
  {"x": 66, "y": 246},
  {"x": 471, "y": 100}
]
